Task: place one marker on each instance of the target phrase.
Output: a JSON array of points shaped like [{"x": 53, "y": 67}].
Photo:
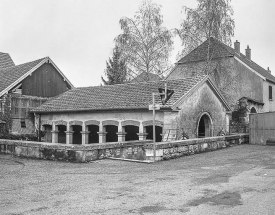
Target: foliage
[
  {"x": 5, "y": 114},
  {"x": 26, "y": 137},
  {"x": 211, "y": 18},
  {"x": 146, "y": 45},
  {"x": 116, "y": 71}
]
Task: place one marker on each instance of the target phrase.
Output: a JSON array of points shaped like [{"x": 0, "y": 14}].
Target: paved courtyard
[{"x": 237, "y": 180}]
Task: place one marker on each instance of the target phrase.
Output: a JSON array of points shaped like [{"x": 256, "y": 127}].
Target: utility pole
[{"x": 155, "y": 107}]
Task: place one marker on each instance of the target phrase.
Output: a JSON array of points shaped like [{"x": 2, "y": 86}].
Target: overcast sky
[{"x": 78, "y": 35}]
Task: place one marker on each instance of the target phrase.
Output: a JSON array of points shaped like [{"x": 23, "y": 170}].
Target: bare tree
[
  {"x": 210, "y": 21},
  {"x": 145, "y": 44},
  {"x": 211, "y": 18}
]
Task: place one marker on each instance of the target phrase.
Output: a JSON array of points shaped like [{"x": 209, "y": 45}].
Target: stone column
[
  {"x": 85, "y": 137},
  {"x": 54, "y": 136},
  {"x": 102, "y": 134},
  {"x": 142, "y": 132},
  {"x": 69, "y": 137},
  {"x": 121, "y": 133},
  {"x": 121, "y": 136}
]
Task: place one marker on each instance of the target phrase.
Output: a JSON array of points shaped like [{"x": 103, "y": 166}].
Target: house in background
[
  {"x": 234, "y": 73},
  {"x": 29, "y": 85},
  {"x": 120, "y": 112}
]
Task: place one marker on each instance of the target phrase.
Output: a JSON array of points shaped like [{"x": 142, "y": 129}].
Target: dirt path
[{"x": 238, "y": 180}]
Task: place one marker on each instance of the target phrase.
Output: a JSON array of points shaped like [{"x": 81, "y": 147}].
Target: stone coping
[
  {"x": 92, "y": 146},
  {"x": 146, "y": 143},
  {"x": 170, "y": 144}
]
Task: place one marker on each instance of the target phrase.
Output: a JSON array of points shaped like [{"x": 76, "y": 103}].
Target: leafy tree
[
  {"x": 116, "y": 71},
  {"x": 5, "y": 114},
  {"x": 146, "y": 45},
  {"x": 211, "y": 18}
]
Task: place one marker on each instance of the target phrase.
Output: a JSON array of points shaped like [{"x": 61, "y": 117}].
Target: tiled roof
[
  {"x": 220, "y": 50},
  {"x": 252, "y": 100},
  {"x": 114, "y": 97},
  {"x": 5, "y": 60},
  {"x": 143, "y": 77},
  {"x": 11, "y": 74}
]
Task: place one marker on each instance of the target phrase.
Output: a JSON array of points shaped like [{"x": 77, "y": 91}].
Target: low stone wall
[
  {"x": 74, "y": 153},
  {"x": 175, "y": 149},
  {"x": 134, "y": 150}
]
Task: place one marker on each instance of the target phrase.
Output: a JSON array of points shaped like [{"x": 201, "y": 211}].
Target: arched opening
[
  {"x": 111, "y": 135},
  {"x": 132, "y": 132},
  {"x": 253, "y": 110},
  {"x": 61, "y": 134},
  {"x": 204, "y": 126},
  {"x": 47, "y": 133},
  {"x": 93, "y": 135},
  {"x": 77, "y": 136},
  {"x": 149, "y": 131}
]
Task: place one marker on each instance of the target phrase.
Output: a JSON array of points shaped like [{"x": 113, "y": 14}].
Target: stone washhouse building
[
  {"x": 27, "y": 86},
  {"x": 238, "y": 77},
  {"x": 120, "y": 112}
]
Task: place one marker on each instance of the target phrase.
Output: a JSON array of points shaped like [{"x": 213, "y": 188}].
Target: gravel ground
[{"x": 237, "y": 180}]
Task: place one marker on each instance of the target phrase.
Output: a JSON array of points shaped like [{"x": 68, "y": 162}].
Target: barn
[{"x": 28, "y": 85}]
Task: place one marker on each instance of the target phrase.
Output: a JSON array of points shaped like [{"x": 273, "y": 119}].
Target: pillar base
[
  {"x": 142, "y": 136},
  {"x": 102, "y": 136},
  {"x": 69, "y": 137},
  {"x": 121, "y": 136},
  {"x": 85, "y": 137},
  {"x": 54, "y": 136}
]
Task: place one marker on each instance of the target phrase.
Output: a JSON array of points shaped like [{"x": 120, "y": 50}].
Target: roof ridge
[
  {"x": 39, "y": 60},
  {"x": 138, "y": 83}
]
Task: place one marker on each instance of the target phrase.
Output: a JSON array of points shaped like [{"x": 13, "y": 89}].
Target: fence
[
  {"x": 217, "y": 130},
  {"x": 262, "y": 127}
]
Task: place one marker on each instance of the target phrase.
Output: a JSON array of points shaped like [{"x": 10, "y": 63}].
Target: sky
[{"x": 78, "y": 35}]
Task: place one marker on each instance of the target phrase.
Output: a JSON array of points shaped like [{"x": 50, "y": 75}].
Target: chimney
[
  {"x": 248, "y": 53},
  {"x": 237, "y": 47},
  {"x": 268, "y": 70}
]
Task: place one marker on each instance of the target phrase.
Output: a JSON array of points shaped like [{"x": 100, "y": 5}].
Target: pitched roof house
[
  {"x": 235, "y": 74},
  {"x": 29, "y": 85},
  {"x": 120, "y": 112}
]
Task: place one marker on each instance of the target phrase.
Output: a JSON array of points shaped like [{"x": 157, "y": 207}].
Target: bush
[{"x": 27, "y": 137}]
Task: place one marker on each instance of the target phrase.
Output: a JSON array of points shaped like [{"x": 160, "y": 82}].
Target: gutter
[{"x": 98, "y": 110}]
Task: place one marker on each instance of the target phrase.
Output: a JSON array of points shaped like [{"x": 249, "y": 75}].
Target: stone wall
[
  {"x": 74, "y": 153},
  {"x": 133, "y": 150},
  {"x": 180, "y": 148},
  {"x": 233, "y": 78},
  {"x": 203, "y": 101}
]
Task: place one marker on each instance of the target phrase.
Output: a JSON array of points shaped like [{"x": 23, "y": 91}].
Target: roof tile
[
  {"x": 220, "y": 50},
  {"x": 120, "y": 96},
  {"x": 5, "y": 60},
  {"x": 11, "y": 74}
]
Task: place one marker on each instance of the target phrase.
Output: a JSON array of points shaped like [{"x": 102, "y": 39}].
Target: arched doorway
[
  {"x": 77, "y": 137},
  {"x": 149, "y": 131},
  {"x": 93, "y": 135},
  {"x": 253, "y": 110},
  {"x": 205, "y": 126},
  {"x": 61, "y": 133},
  {"x": 111, "y": 135},
  {"x": 132, "y": 132},
  {"x": 48, "y": 135}
]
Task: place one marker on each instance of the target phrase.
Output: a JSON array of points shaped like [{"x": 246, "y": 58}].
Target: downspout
[{"x": 39, "y": 127}]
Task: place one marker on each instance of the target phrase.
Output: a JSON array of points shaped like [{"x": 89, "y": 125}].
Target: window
[
  {"x": 270, "y": 93},
  {"x": 23, "y": 123}
]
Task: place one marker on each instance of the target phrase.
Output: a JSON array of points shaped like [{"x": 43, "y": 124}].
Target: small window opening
[
  {"x": 270, "y": 93},
  {"x": 23, "y": 123}
]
